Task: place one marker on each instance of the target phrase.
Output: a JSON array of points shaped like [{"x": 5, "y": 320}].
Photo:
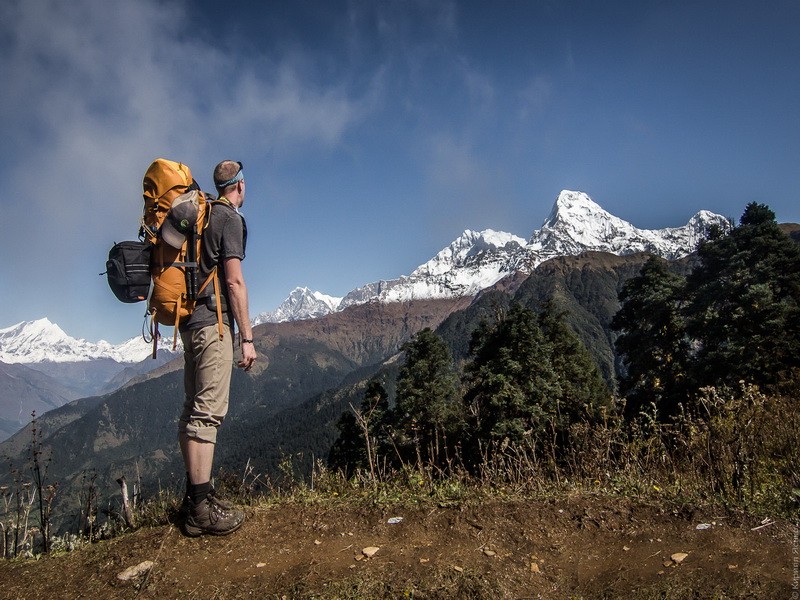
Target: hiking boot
[
  {"x": 212, "y": 516},
  {"x": 183, "y": 510}
]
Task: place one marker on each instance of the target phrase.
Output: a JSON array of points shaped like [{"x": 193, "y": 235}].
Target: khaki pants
[{"x": 208, "y": 362}]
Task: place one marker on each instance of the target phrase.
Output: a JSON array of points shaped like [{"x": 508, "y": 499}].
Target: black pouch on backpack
[{"x": 128, "y": 270}]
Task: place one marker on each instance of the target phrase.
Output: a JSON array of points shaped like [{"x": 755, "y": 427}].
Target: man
[{"x": 209, "y": 357}]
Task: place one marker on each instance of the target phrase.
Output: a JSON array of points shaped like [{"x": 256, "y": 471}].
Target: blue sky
[{"x": 373, "y": 133}]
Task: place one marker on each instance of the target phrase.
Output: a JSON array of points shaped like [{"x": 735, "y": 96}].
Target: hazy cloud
[
  {"x": 463, "y": 186},
  {"x": 106, "y": 84},
  {"x": 535, "y": 98},
  {"x": 93, "y": 91}
]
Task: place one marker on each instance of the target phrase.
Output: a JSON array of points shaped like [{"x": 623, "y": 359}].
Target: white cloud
[
  {"x": 94, "y": 91},
  {"x": 101, "y": 86}
]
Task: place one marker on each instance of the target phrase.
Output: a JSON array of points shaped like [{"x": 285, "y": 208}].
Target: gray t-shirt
[{"x": 224, "y": 237}]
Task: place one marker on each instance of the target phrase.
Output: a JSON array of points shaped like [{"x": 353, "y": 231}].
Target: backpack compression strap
[{"x": 215, "y": 279}]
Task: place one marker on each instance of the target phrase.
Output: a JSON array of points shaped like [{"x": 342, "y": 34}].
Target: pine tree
[
  {"x": 530, "y": 379},
  {"x": 653, "y": 343},
  {"x": 511, "y": 381},
  {"x": 428, "y": 417},
  {"x": 735, "y": 318},
  {"x": 584, "y": 393},
  {"x": 744, "y": 305}
]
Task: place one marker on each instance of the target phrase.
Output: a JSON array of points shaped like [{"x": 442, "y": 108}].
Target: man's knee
[{"x": 202, "y": 432}]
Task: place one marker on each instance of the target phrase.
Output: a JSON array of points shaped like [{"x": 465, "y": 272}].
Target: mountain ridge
[
  {"x": 476, "y": 260},
  {"x": 41, "y": 341}
]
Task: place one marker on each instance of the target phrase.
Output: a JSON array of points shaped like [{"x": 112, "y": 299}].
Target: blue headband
[{"x": 238, "y": 177}]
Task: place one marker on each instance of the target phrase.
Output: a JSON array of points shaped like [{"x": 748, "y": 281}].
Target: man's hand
[{"x": 248, "y": 356}]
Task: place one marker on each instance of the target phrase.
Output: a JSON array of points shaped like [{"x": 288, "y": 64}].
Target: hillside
[
  {"x": 564, "y": 547},
  {"x": 309, "y": 372},
  {"x": 132, "y": 431},
  {"x": 602, "y": 505},
  {"x": 24, "y": 390}
]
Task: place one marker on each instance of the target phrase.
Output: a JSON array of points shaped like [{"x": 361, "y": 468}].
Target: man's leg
[
  {"x": 198, "y": 456},
  {"x": 208, "y": 365}
]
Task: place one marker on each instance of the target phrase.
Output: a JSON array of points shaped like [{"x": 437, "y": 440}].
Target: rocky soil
[{"x": 577, "y": 547}]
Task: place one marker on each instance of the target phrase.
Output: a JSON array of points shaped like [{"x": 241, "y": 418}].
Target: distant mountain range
[
  {"x": 41, "y": 341},
  {"x": 478, "y": 260},
  {"x": 67, "y": 368},
  {"x": 41, "y": 368},
  {"x": 471, "y": 263}
]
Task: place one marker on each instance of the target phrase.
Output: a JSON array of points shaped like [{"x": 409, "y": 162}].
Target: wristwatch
[{"x": 246, "y": 341}]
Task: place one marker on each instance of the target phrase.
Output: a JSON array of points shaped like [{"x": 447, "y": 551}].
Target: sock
[{"x": 198, "y": 492}]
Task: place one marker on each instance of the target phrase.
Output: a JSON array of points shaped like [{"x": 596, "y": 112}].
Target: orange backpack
[{"x": 171, "y": 201}]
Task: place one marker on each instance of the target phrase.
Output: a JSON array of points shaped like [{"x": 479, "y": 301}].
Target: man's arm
[{"x": 237, "y": 296}]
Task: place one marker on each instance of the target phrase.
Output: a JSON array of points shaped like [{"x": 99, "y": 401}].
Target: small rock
[
  {"x": 459, "y": 569},
  {"x": 317, "y": 542},
  {"x": 668, "y": 563},
  {"x": 424, "y": 561},
  {"x": 679, "y": 557},
  {"x": 395, "y": 520},
  {"x": 488, "y": 552},
  {"x": 135, "y": 571},
  {"x": 733, "y": 567},
  {"x": 370, "y": 551},
  {"x": 626, "y": 548},
  {"x": 261, "y": 565},
  {"x": 703, "y": 526},
  {"x": 535, "y": 568}
]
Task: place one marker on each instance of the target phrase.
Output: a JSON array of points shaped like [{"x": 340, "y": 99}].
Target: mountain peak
[
  {"x": 31, "y": 330},
  {"x": 578, "y": 224},
  {"x": 576, "y": 215},
  {"x": 467, "y": 246},
  {"x": 42, "y": 341},
  {"x": 301, "y": 304},
  {"x": 570, "y": 203},
  {"x": 476, "y": 260}
]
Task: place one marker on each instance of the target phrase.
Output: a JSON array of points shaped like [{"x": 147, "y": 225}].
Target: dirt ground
[{"x": 579, "y": 547}]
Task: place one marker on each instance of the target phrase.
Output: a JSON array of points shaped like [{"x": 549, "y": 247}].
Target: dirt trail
[{"x": 582, "y": 547}]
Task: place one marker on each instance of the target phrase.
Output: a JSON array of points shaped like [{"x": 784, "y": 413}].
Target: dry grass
[{"x": 739, "y": 450}]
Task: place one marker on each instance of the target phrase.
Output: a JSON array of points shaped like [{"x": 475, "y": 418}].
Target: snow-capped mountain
[
  {"x": 41, "y": 341},
  {"x": 301, "y": 304},
  {"x": 577, "y": 224},
  {"x": 474, "y": 261},
  {"x": 477, "y": 260},
  {"x": 471, "y": 263}
]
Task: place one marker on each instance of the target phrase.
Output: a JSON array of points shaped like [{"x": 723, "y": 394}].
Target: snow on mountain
[
  {"x": 477, "y": 260},
  {"x": 42, "y": 341},
  {"x": 474, "y": 261},
  {"x": 301, "y": 304},
  {"x": 577, "y": 224},
  {"x": 471, "y": 263}
]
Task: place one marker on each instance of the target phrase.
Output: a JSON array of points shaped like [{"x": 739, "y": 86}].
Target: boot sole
[{"x": 192, "y": 531}]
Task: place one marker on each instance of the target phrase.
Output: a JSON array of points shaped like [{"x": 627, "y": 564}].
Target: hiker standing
[{"x": 209, "y": 356}]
